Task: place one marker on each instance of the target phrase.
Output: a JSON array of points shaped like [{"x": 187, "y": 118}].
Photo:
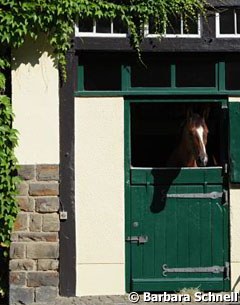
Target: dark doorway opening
[{"x": 156, "y": 130}]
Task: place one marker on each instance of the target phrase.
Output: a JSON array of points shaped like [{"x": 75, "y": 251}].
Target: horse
[{"x": 191, "y": 152}]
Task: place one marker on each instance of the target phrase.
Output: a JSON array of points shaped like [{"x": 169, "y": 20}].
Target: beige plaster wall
[
  {"x": 35, "y": 99},
  {"x": 234, "y": 228},
  {"x": 235, "y": 238},
  {"x": 99, "y": 195}
]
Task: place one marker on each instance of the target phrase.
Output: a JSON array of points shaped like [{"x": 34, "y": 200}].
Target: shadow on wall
[
  {"x": 31, "y": 51},
  {"x": 236, "y": 283}
]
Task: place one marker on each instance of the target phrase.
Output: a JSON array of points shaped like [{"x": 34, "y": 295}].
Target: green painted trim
[
  {"x": 154, "y": 93},
  {"x": 127, "y": 154},
  {"x": 173, "y": 76},
  {"x": 216, "y": 76},
  {"x": 127, "y": 89},
  {"x": 234, "y": 136},
  {"x": 126, "y": 78},
  {"x": 230, "y": 93},
  {"x": 169, "y": 89},
  {"x": 221, "y": 77},
  {"x": 141, "y": 176},
  {"x": 177, "y": 100},
  {"x": 226, "y": 243}
]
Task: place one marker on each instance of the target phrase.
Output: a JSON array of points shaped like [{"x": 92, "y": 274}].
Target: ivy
[
  {"x": 8, "y": 168},
  {"x": 56, "y": 18},
  {"x": 8, "y": 179},
  {"x": 20, "y": 19}
]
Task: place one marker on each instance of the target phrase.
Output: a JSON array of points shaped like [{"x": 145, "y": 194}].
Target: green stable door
[{"x": 177, "y": 219}]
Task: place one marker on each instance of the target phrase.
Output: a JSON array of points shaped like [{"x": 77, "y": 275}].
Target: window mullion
[
  {"x": 112, "y": 27},
  {"x": 181, "y": 30},
  {"x": 235, "y": 22},
  {"x": 146, "y": 29},
  {"x": 173, "y": 76},
  {"x": 221, "y": 76}
]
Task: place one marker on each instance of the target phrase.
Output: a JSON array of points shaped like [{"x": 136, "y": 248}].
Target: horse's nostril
[{"x": 202, "y": 160}]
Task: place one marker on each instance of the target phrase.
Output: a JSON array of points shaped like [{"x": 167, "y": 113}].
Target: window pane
[
  {"x": 174, "y": 26},
  {"x": 102, "y": 72},
  {"x": 238, "y": 20},
  {"x": 103, "y": 26},
  {"x": 153, "y": 74},
  {"x": 119, "y": 26},
  {"x": 154, "y": 132},
  {"x": 232, "y": 75},
  {"x": 190, "y": 26},
  {"x": 86, "y": 25},
  {"x": 195, "y": 74},
  {"x": 227, "y": 22}
]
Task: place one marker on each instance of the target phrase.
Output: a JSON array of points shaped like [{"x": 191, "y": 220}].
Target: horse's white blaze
[{"x": 200, "y": 134}]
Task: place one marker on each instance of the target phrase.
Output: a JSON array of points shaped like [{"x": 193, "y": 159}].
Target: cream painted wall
[
  {"x": 235, "y": 238},
  {"x": 234, "y": 228},
  {"x": 35, "y": 98},
  {"x": 99, "y": 195}
]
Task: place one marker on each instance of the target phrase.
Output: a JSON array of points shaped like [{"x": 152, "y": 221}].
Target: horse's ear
[
  {"x": 206, "y": 112},
  {"x": 189, "y": 113}
]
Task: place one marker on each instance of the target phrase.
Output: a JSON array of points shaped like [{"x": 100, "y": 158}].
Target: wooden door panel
[{"x": 183, "y": 233}]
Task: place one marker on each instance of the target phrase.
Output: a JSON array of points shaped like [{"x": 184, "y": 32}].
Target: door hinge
[
  {"x": 225, "y": 197},
  {"x": 212, "y": 195},
  {"x": 225, "y": 168},
  {"x": 212, "y": 269},
  {"x": 227, "y": 270},
  {"x": 137, "y": 239}
]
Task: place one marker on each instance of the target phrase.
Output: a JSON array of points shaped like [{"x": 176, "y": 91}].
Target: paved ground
[{"x": 121, "y": 300}]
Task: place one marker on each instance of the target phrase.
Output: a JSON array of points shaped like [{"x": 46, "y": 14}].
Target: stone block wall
[{"x": 34, "y": 252}]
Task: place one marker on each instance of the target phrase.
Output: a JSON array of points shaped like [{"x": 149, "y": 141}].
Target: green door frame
[{"x": 127, "y": 165}]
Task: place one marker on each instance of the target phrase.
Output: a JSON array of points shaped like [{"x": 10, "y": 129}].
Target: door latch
[{"x": 137, "y": 239}]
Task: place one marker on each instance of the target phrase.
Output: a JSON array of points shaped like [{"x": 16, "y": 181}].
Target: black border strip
[{"x": 67, "y": 192}]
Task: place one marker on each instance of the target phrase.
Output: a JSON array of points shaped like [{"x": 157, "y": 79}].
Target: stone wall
[{"x": 34, "y": 251}]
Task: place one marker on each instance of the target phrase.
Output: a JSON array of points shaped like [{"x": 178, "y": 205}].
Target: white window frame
[
  {"x": 95, "y": 34},
  {"x": 181, "y": 35},
  {"x": 219, "y": 35},
  {"x": 146, "y": 32}
]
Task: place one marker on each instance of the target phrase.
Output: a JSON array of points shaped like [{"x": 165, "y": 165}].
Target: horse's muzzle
[{"x": 202, "y": 161}]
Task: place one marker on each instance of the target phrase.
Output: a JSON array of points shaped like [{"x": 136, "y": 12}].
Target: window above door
[
  {"x": 177, "y": 27},
  {"x": 228, "y": 23},
  {"x": 215, "y": 32},
  {"x": 101, "y": 28},
  {"x": 108, "y": 73}
]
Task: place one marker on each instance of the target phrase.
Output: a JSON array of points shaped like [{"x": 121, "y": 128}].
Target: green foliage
[
  {"x": 8, "y": 180},
  {"x": 56, "y": 18}
]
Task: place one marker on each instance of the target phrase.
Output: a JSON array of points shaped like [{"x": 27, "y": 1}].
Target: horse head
[{"x": 196, "y": 132}]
